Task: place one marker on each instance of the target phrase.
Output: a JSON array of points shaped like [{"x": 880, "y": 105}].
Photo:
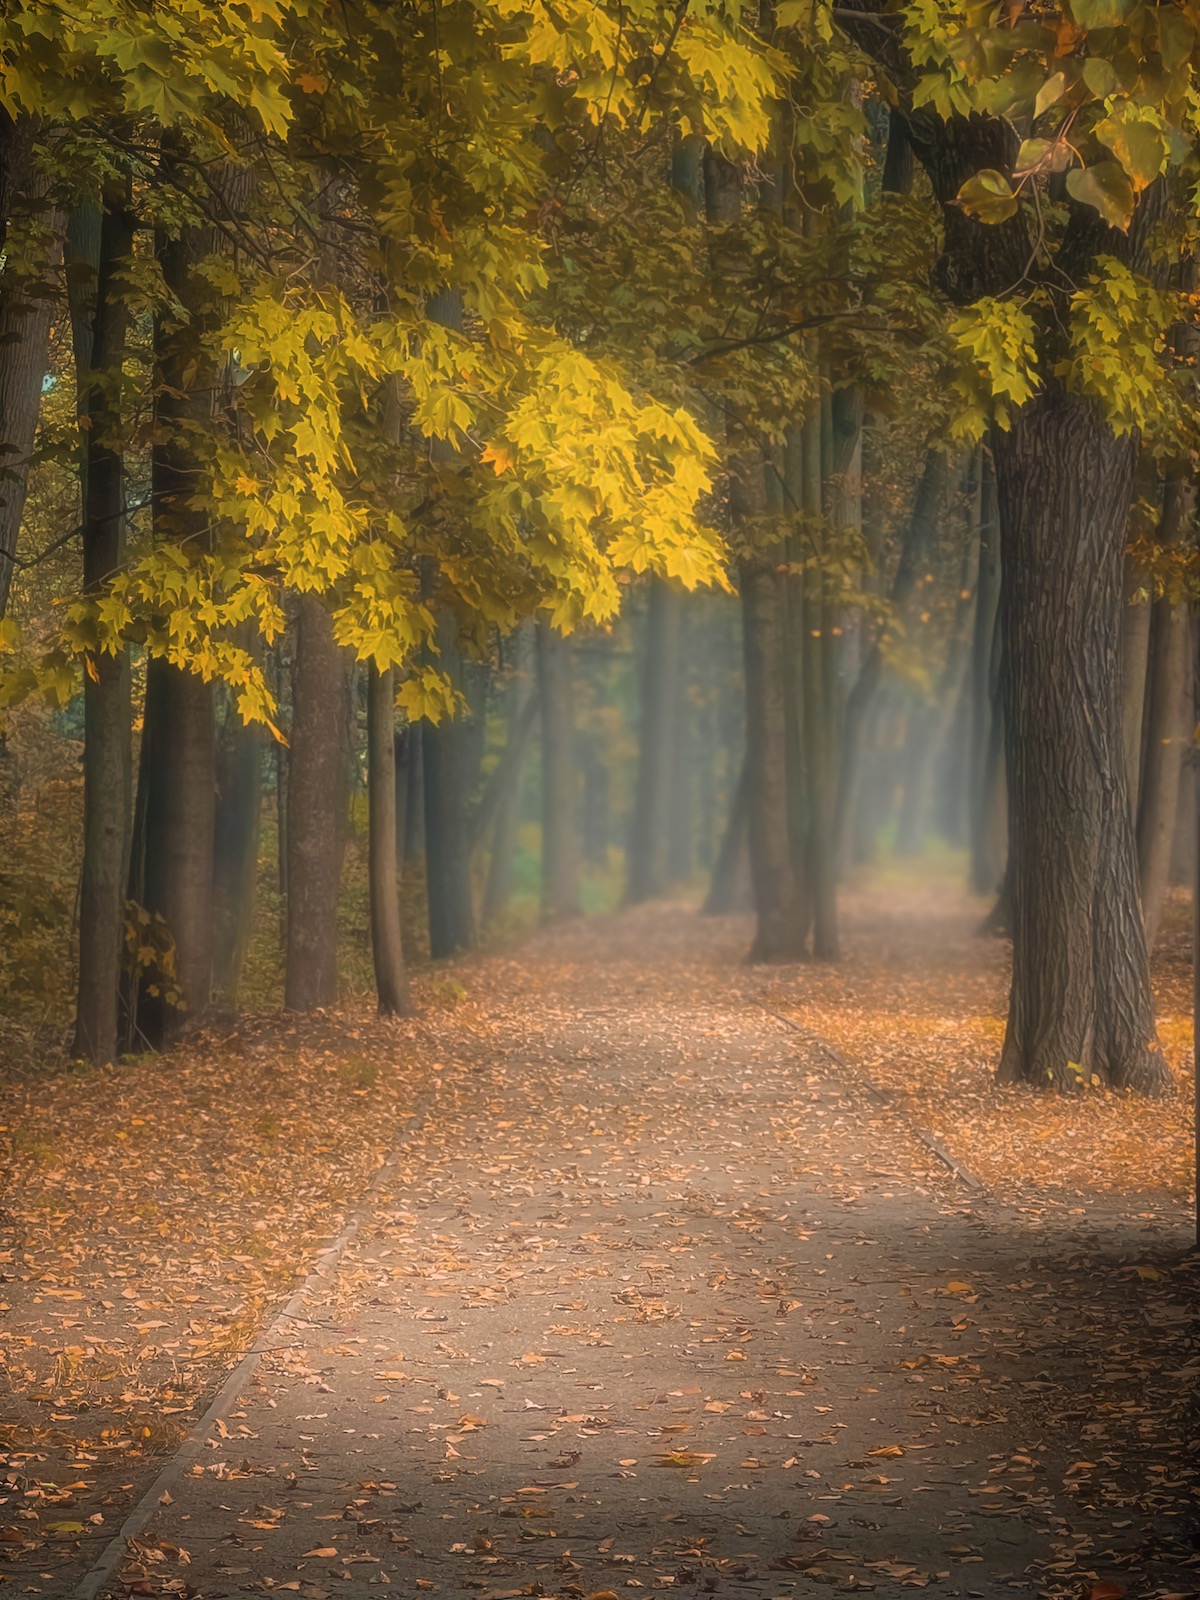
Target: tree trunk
[
  {"x": 316, "y": 809},
  {"x": 681, "y": 821},
  {"x": 107, "y": 751},
  {"x": 918, "y": 537},
  {"x": 172, "y": 871},
  {"x": 560, "y": 797},
  {"x": 817, "y": 771},
  {"x": 1166, "y": 725},
  {"x": 984, "y": 868},
  {"x": 522, "y": 719},
  {"x": 1135, "y": 656},
  {"x": 177, "y": 791},
  {"x": 723, "y": 889},
  {"x": 235, "y": 850},
  {"x": 955, "y": 746},
  {"x": 780, "y": 931},
  {"x": 659, "y": 701},
  {"x": 448, "y": 764},
  {"x": 1080, "y": 1004},
  {"x": 27, "y": 295},
  {"x": 387, "y": 947},
  {"x": 414, "y": 793}
]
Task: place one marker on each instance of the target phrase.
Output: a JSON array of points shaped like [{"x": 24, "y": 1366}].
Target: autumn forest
[{"x": 598, "y": 811}]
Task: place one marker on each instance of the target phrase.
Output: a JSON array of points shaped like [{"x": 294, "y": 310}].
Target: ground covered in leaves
[
  {"x": 656, "y": 1293},
  {"x": 919, "y": 1004}
]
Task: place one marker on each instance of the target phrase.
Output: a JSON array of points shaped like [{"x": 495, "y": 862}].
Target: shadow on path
[{"x": 656, "y": 1301}]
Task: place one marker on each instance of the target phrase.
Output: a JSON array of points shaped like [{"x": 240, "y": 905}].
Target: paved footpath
[{"x": 658, "y": 1299}]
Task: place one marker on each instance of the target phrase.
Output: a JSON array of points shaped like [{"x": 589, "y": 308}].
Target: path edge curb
[
  {"x": 104, "y": 1568},
  {"x": 935, "y": 1146}
]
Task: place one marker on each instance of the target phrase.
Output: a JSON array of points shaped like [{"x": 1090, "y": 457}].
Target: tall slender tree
[
  {"x": 387, "y": 945},
  {"x": 560, "y": 779},
  {"x": 107, "y": 754}
]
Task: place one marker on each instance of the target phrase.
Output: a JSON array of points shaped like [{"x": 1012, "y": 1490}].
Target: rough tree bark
[
  {"x": 177, "y": 772},
  {"x": 1081, "y": 1004},
  {"x": 387, "y": 945},
  {"x": 171, "y": 870},
  {"x": 107, "y": 749},
  {"x": 316, "y": 809}
]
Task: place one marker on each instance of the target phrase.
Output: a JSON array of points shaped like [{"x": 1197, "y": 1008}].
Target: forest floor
[{"x": 649, "y": 1289}]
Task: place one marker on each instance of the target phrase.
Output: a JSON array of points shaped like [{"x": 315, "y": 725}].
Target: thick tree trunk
[
  {"x": 235, "y": 851},
  {"x": 560, "y": 786},
  {"x": 659, "y": 710},
  {"x": 1080, "y": 1005},
  {"x": 177, "y": 790},
  {"x": 107, "y": 752},
  {"x": 316, "y": 809},
  {"x": 387, "y": 947},
  {"x": 780, "y": 929},
  {"x": 1166, "y": 726},
  {"x": 27, "y": 294},
  {"x": 172, "y": 874}
]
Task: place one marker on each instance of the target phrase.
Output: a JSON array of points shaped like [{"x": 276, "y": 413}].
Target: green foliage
[
  {"x": 367, "y": 452},
  {"x": 995, "y": 341},
  {"x": 1095, "y": 104},
  {"x": 1120, "y": 328}
]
